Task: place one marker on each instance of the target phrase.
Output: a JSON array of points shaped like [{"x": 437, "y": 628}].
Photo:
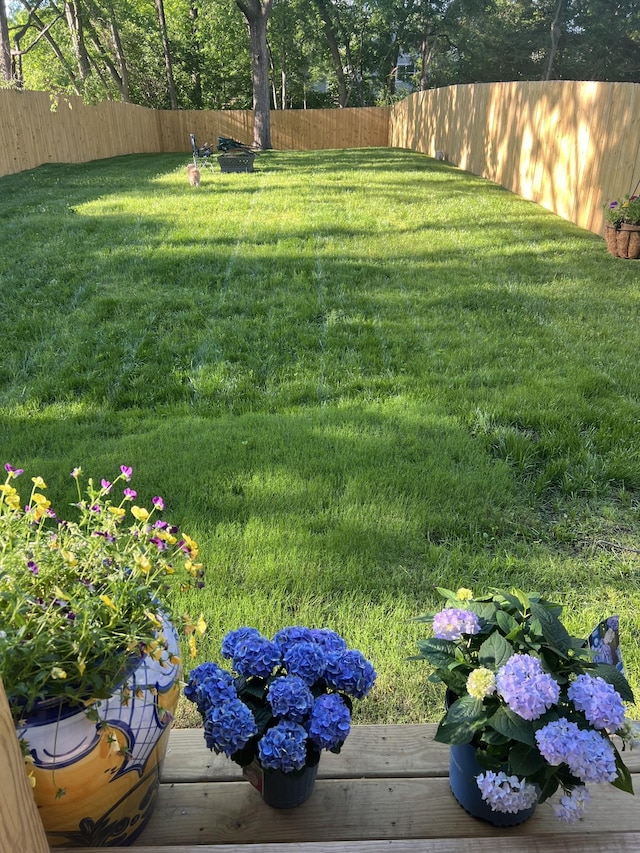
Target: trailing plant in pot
[
  {"x": 538, "y": 714},
  {"x": 622, "y": 232},
  {"x": 89, "y": 649},
  {"x": 287, "y": 700}
]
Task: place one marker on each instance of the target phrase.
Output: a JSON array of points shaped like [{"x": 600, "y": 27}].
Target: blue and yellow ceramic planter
[{"x": 96, "y": 783}]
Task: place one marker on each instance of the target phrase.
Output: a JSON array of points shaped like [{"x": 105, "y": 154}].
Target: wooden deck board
[{"x": 386, "y": 792}]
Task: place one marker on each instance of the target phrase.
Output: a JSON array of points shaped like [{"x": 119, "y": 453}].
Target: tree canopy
[{"x": 282, "y": 54}]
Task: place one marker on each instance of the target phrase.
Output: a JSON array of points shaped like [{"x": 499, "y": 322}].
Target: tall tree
[
  {"x": 168, "y": 63},
  {"x": 257, "y": 14},
  {"x": 5, "y": 45}
]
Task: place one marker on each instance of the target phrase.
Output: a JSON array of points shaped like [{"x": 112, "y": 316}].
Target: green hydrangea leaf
[
  {"x": 495, "y": 651},
  {"x": 616, "y": 679},
  {"x": 461, "y": 721},
  {"x": 552, "y": 629},
  {"x": 623, "y": 781},
  {"x": 512, "y": 726},
  {"x": 525, "y": 760},
  {"x": 506, "y": 622},
  {"x": 440, "y": 653}
]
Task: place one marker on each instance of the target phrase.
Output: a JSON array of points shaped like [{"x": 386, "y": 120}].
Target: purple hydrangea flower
[
  {"x": 306, "y": 660},
  {"x": 600, "y": 702},
  {"x": 572, "y": 806},
  {"x": 507, "y": 794},
  {"x": 290, "y": 697},
  {"x": 330, "y": 722},
  {"x": 229, "y": 726},
  {"x": 351, "y": 672},
  {"x": 451, "y": 623},
  {"x": 256, "y": 656},
  {"x": 588, "y": 755},
  {"x": 283, "y": 747},
  {"x": 525, "y": 687}
]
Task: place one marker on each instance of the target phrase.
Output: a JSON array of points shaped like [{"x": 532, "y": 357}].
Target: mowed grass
[{"x": 352, "y": 375}]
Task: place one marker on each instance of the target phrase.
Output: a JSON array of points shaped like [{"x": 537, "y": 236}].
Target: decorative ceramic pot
[
  {"x": 463, "y": 770},
  {"x": 97, "y": 771},
  {"x": 282, "y": 790}
]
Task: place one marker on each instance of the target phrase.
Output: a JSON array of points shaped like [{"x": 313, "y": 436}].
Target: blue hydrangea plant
[
  {"x": 286, "y": 699},
  {"x": 542, "y": 714}
]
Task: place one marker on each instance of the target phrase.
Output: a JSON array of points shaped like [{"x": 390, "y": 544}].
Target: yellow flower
[
  {"x": 81, "y": 666},
  {"x": 152, "y": 617},
  {"x": 193, "y": 648},
  {"x": 464, "y": 594},
  {"x": 118, "y": 511},
  {"x": 140, "y": 513},
  {"x": 6, "y": 489},
  {"x": 143, "y": 563},
  {"x": 106, "y": 600},
  {"x": 192, "y": 568},
  {"x": 13, "y": 501},
  {"x": 38, "y": 482},
  {"x": 191, "y": 545},
  {"x": 481, "y": 683},
  {"x": 58, "y": 672},
  {"x": 69, "y": 557}
]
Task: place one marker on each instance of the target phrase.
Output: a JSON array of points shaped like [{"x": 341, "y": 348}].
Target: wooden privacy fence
[{"x": 569, "y": 146}]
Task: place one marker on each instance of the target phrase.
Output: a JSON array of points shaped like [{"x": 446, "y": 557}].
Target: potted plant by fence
[
  {"x": 529, "y": 712},
  {"x": 622, "y": 231},
  {"x": 290, "y": 698},
  {"x": 89, "y": 652}
]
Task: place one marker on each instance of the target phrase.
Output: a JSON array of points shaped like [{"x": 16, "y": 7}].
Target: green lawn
[{"x": 352, "y": 375}]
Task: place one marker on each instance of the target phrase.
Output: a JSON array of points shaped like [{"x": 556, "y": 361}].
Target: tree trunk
[
  {"x": 556, "y": 32},
  {"x": 5, "y": 46},
  {"x": 73, "y": 15},
  {"x": 257, "y": 14},
  {"x": 171, "y": 86},
  {"x": 196, "y": 57},
  {"x": 330, "y": 34}
]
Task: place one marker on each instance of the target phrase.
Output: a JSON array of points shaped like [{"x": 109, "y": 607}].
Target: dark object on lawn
[
  {"x": 202, "y": 154},
  {"x": 227, "y": 144},
  {"x": 238, "y": 160}
]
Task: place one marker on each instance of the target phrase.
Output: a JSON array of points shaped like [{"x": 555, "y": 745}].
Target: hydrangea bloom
[
  {"x": 330, "y": 721},
  {"x": 481, "y": 683},
  {"x": 229, "y": 726},
  {"x": 507, "y": 794},
  {"x": 331, "y": 642},
  {"x": 290, "y": 697},
  {"x": 588, "y": 755},
  {"x": 208, "y": 684},
  {"x": 233, "y": 638},
  {"x": 351, "y": 672},
  {"x": 451, "y": 623},
  {"x": 306, "y": 660},
  {"x": 526, "y": 688},
  {"x": 283, "y": 747},
  {"x": 600, "y": 702},
  {"x": 288, "y": 637},
  {"x": 572, "y": 806},
  {"x": 256, "y": 656}
]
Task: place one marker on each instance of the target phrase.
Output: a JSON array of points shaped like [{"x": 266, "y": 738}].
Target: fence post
[{"x": 20, "y": 827}]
